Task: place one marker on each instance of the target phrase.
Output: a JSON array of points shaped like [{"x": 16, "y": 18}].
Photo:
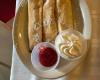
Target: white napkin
[{"x": 5, "y": 51}]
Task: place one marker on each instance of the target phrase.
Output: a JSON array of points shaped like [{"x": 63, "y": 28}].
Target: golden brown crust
[
  {"x": 49, "y": 20},
  {"x": 77, "y": 16},
  {"x": 35, "y": 22},
  {"x": 65, "y": 18}
]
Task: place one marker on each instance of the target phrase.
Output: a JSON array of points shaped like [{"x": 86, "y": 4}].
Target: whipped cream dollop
[{"x": 70, "y": 44}]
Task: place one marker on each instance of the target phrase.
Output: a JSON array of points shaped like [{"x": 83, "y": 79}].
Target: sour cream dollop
[{"x": 71, "y": 44}]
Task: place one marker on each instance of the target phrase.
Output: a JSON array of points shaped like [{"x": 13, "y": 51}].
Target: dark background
[{"x": 7, "y": 9}]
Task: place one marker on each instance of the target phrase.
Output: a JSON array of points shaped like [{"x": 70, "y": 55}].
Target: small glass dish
[
  {"x": 71, "y": 44},
  {"x": 35, "y": 57}
]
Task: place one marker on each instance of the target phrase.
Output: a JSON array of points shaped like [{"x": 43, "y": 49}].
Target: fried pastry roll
[
  {"x": 65, "y": 17},
  {"x": 34, "y": 22},
  {"x": 77, "y": 16},
  {"x": 49, "y": 20}
]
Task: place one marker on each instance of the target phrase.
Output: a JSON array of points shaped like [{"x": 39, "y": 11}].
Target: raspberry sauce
[{"x": 47, "y": 56}]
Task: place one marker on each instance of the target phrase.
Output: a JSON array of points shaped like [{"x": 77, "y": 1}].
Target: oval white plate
[{"x": 20, "y": 39}]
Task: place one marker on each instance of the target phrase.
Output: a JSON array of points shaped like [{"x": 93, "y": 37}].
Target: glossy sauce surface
[{"x": 47, "y": 56}]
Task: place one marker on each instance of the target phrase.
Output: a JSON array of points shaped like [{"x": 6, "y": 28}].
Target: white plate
[{"x": 20, "y": 39}]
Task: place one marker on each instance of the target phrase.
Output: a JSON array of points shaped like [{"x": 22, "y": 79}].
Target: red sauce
[{"x": 47, "y": 56}]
